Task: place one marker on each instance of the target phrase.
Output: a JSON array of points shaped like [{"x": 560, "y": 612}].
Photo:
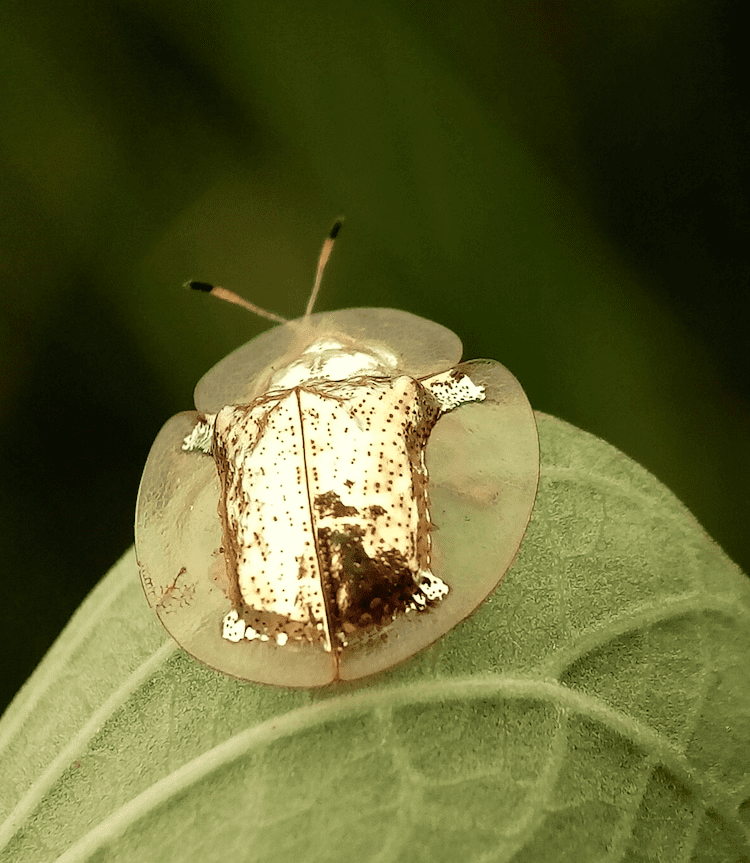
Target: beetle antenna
[
  {"x": 325, "y": 254},
  {"x": 231, "y": 297}
]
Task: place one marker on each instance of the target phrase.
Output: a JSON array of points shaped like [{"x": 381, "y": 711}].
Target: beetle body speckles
[{"x": 324, "y": 507}]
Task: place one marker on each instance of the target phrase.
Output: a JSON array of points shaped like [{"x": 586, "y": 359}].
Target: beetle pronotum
[{"x": 287, "y": 532}]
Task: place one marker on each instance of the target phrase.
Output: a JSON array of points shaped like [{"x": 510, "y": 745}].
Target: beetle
[{"x": 346, "y": 492}]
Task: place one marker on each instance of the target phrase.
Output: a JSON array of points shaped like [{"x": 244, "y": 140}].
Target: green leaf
[{"x": 596, "y": 707}]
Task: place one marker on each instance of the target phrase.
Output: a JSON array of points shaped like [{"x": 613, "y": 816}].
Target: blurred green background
[{"x": 563, "y": 185}]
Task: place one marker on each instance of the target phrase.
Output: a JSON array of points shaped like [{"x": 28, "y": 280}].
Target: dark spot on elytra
[
  {"x": 329, "y": 505},
  {"x": 362, "y": 591}
]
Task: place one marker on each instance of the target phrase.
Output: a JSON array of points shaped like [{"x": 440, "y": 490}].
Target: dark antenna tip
[
  {"x": 336, "y": 228},
  {"x": 199, "y": 286}
]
